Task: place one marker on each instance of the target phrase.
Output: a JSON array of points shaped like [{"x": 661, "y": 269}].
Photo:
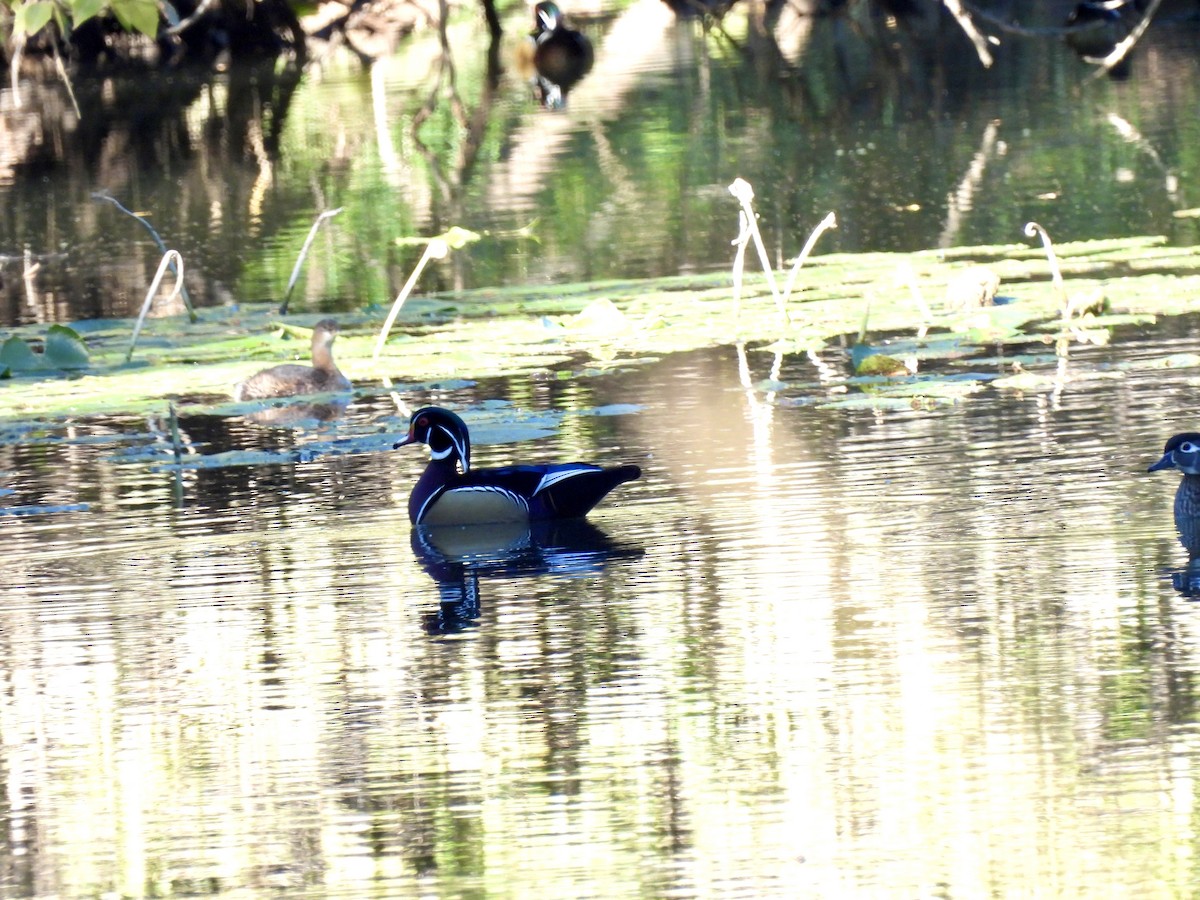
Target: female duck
[
  {"x": 445, "y": 496},
  {"x": 290, "y": 380},
  {"x": 1183, "y": 453}
]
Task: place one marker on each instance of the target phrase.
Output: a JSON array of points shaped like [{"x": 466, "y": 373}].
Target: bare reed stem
[
  {"x": 312, "y": 233},
  {"x": 162, "y": 247},
  {"x": 739, "y": 263},
  {"x": 744, "y": 193},
  {"x": 171, "y": 259},
  {"x": 830, "y": 221},
  {"x": 1033, "y": 229},
  {"x": 437, "y": 248}
]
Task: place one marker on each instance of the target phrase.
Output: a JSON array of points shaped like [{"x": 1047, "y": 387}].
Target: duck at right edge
[{"x": 1182, "y": 452}]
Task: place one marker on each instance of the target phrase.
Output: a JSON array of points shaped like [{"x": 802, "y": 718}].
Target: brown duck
[{"x": 290, "y": 379}]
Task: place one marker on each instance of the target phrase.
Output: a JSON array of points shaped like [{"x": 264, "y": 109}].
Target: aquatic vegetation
[
  {"x": 588, "y": 329},
  {"x": 62, "y": 350}
]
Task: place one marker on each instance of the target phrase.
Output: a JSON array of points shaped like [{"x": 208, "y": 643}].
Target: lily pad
[
  {"x": 880, "y": 364},
  {"x": 1174, "y": 361},
  {"x": 18, "y": 356},
  {"x": 64, "y": 349}
]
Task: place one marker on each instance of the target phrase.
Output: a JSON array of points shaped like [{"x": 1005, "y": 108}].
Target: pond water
[{"x": 811, "y": 653}]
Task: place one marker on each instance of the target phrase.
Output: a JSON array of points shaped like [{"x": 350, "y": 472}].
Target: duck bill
[
  {"x": 411, "y": 439},
  {"x": 1165, "y": 463}
]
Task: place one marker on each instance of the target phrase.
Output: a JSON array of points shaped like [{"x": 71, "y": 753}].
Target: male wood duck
[
  {"x": 445, "y": 496},
  {"x": 290, "y": 380},
  {"x": 1183, "y": 453},
  {"x": 1095, "y": 27},
  {"x": 561, "y": 55}
]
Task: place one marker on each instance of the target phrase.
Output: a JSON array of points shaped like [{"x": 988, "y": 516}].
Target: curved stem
[
  {"x": 174, "y": 261},
  {"x": 187, "y": 301},
  {"x": 830, "y": 221},
  {"x": 312, "y": 233},
  {"x": 1033, "y": 229},
  {"x": 435, "y": 249},
  {"x": 744, "y": 193}
]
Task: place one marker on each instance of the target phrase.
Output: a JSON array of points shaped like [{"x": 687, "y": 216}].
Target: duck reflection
[
  {"x": 1094, "y": 28},
  {"x": 557, "y": 55},
  {"x": 1187, "y": 581},
  {"x": 299, "y": 415},
  {"x": 457, "y": 557}
]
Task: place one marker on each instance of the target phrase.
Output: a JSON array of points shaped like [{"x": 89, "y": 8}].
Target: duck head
[
  {"x": 445, "y": 434},
  {"x": 1182, "y": 452},
  {"x": 324, "y": 332},
  {"x": 546, "y": 17}
]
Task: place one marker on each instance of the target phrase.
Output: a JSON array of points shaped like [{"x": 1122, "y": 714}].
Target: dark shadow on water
[{"x": 457, "y": 557}]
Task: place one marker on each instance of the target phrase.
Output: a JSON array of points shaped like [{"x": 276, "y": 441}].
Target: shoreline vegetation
[{"x": 43, "y": 39}]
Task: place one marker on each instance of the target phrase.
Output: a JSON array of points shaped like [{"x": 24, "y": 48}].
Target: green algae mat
[{"x": 896, "y": 329}]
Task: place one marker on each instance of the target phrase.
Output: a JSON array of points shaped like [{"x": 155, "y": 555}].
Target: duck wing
[{"x": 563, "y": 491}]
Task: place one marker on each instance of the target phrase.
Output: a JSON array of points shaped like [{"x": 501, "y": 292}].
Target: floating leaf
[
  {"x": 881, "y": 364},
  {"x": 612, "y": 409},
  {"x": 32, "y": 17},
  {"x": 599, "y": 317},
  {"x": 64, "y": 349},
  {"x": 139, "y": 15},
  {"x": 1174, "y": 361},
  {"x": 18, "y": 356},
  {"x": 865, "y": 401}
]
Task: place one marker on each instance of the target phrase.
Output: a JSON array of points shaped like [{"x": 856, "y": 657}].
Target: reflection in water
[
  {"x": 813, "y": 653},
  {"x": 298, "y": 415},
  {"x": 561, "y": 56},
  {"x": 456, "y": 557},
  {"x": 1094, "y": 28},
  {"x": 910, "y": 141}
]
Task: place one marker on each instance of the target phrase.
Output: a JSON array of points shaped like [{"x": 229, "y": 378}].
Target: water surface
[
  {"x": 822, "y": 652},
  {"x": 812, "y": 652}
]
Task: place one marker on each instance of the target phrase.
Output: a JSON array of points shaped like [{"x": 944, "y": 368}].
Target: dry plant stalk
[
  {"x": 747, "y": 231},
  {"x": 1033, "y": 229},
  {"x": 312, "y": 233},
  {"x": 162, "y": 247},
  {"x": 171, "y": 259},
  {"x": 437, "y": 248}
]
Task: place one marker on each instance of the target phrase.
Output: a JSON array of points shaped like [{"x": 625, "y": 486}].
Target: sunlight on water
[{"x": 810, "y": 653}]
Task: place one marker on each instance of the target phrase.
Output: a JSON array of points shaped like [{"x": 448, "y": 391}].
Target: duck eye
[{"x": 1187, "y": 447}]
